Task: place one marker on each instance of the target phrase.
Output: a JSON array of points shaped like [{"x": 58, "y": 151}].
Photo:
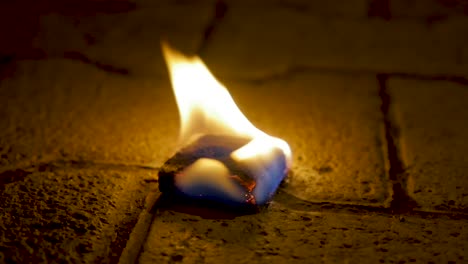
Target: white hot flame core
[{"x": 207, "y": 108}]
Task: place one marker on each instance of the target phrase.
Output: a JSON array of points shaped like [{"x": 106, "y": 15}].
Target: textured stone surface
[
  {"x": 61, "y": 109},
  {"x": 280, "y": 235},
  {"x": 120, "y": 34},
  {"x": 130, "y": 40},
  {"x": 432, "y": 116},
  {"x": 333, "y": 125},
  {"x": 265, "y": 41},
  {"x": 85, "y": 104},
  {"x": 69, "y": 212}
]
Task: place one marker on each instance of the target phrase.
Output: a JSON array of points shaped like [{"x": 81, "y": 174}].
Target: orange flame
[{"x": 207, "y": 108}]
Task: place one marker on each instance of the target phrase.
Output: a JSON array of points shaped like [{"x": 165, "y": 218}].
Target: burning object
[{"x": 224, "y": 158}]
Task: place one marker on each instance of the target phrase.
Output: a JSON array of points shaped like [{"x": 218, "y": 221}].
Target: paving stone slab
[
  {"x": 124, "y": 35},
  {"x": 128, "y": 40},
  {"x": 259, "y": 42},
  {"x": 75, "y": 213},
  {"x": 433, "y": 139},
  {"x": 282, "y": 235},
  {"x": 334, "y": 127},
  {"x": 62, "y": 109}
]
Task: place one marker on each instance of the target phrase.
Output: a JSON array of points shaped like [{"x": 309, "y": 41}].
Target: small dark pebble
[
  {"x": 81, "y": 216},
  {"x": 325, "y": 169},
  {"x": 84, "y": 247},
  {"x": 52, "y": 238},
  {"x": 177, "y": 258},
  {"x": 54, "y": 225},
  {"x": 80, "y": 229}
]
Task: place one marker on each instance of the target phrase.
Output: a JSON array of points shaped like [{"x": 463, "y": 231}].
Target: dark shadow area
[
  {"x": 11, "y": 176},
  {"x": 220, "y": 10},
  {"x": 203, "y": 208},
  {"x": 401, "y": 201}
]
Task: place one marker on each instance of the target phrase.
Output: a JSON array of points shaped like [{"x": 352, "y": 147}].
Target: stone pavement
[
  {"x": 371, "y": 95},
  {"x": 286, "y": 235}
]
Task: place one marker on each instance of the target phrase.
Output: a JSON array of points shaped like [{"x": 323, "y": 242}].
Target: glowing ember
[{"x": 225, "y": 157}]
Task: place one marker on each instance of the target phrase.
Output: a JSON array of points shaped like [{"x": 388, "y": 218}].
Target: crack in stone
[
  {"x": 89, "y": 163},
  {"x": 282, "y": 74},
  {"x": 401, "y": 201},
  {"x": 220, "y": 10},
  {"x": 78, "y": 56},
  {"x": 140, "y": 231},
  {"x": 291, "y": 71},
  {"x": 18, "y": 174},
  {"x": 295, "y": 203},
  {"x": 449, "y": 78}
]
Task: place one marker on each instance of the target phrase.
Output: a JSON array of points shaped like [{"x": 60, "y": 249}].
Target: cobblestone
[
  {"x": 432, "y": 118},
  {"x": 308, "y": 41},
  {"x": 69, "y": 212},
  {"x": 280, "y": 235},
  {"x": 70, "y": 110},
  {"x": 124, "y": 35}
]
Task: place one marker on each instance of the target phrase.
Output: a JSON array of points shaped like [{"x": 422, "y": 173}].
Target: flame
[{"x": 207, "y": 108}]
